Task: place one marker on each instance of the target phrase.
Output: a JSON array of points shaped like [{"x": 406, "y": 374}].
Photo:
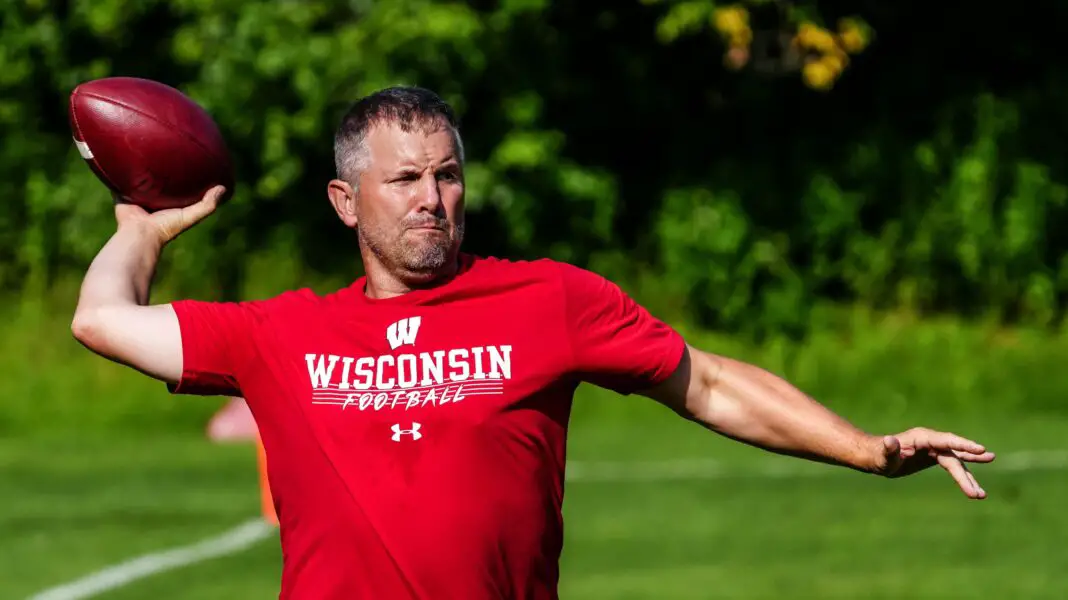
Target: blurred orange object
[
  {"x": 266, "y": 500},
  {"x": 234, "y": 423}
]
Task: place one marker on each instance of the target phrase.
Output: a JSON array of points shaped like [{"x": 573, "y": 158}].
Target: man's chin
[{"x": 430, "y": 264}]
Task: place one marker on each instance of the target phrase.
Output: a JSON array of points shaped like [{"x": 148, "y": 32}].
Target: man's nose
[{"x": 429, "y": 194}]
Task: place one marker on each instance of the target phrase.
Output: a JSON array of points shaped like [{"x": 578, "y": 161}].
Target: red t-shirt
[{"x": 416, "y": 444}]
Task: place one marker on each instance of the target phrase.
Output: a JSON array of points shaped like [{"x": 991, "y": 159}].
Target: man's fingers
[
  {"x": 207, "y": 205},
  {"x": 983, "y": 457},
  {"x": 952, "y": 441},
  {"x": 975, "y": 483},
  {"x": 955, "y": 442},
  {"x": 956, "y": 469},
  {"x": 961, "y": 475}
]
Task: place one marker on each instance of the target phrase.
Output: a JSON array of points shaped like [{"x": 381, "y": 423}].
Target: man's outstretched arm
[
  {"x": 113, "y": 317},
  {"x": 752, "y": 405}
]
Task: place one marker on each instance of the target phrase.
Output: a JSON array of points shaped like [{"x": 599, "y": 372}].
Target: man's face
[{"x": 409, "y": 205}]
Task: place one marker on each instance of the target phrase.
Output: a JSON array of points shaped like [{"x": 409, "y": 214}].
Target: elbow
[
  {"x": 727, "y": 393},
  {"x": 86, "y": 327},
  {"x": 706, "y": 392}
]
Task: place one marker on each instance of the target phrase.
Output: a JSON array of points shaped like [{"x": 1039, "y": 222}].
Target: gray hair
[{"x": 407, "y": 106}]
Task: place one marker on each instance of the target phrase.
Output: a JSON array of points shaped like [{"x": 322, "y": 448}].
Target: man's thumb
[
  {"x": 890, "y": 445},
  {"x": 891, "y": 454},
  {"x": 207, "y": 205}
]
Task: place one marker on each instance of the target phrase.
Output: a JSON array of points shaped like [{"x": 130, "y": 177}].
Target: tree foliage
[
  {"x": 771, "y": 36},
  {"x": 742, "y": 162}
]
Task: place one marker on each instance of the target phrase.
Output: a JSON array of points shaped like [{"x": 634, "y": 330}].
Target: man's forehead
[
  {"x": 392, "y": 131},
  {"x": 392, "y": 140}
]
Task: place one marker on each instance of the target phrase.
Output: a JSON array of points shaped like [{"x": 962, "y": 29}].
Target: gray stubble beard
[{"x": 425, "y": 258}]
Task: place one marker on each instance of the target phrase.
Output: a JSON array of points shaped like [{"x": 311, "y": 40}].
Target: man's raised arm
[
  {"x": 749, "y": 404},
  {"x": 113, "y": 317}
]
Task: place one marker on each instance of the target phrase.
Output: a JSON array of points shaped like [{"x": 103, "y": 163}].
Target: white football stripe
[{"x": 84, "y": 150}]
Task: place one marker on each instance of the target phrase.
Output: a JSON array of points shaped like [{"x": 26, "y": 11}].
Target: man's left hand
[{"x": 919, "y": 448}]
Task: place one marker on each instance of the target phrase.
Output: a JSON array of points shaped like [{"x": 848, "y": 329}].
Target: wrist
[
  {"x": 872, "y": 456},
  {"x": 141, "y": 235}
]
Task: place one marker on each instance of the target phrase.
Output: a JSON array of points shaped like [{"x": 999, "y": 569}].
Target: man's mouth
[{"x": 428, "y": 227}]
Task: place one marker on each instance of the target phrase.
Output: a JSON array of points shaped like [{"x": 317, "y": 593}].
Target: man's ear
[{"x": 343, "y": 197}]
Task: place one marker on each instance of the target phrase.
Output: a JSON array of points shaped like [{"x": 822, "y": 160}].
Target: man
[{"x": 415, "y": 421}]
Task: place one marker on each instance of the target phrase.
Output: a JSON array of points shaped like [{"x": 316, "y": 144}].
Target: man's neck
[{"x": 383, "y": 283}]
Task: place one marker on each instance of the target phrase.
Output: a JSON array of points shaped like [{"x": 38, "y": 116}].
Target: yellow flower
[
  {"x": 852, "y": 36},
  {"x": 815, "y": 38},
  {"x": 742, "y": 37},
  {"x": 729, "y": 20},
  {"x": 818, "y": 75},
  {"x": 835, "y": 61}
]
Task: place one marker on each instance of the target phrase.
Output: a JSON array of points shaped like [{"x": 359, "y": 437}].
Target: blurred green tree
[{"x": 737, "y": 163}]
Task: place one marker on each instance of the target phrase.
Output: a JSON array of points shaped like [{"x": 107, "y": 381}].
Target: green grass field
[
  {"x": 98, "y": 466},
  {"x": 72, "y": 507}
]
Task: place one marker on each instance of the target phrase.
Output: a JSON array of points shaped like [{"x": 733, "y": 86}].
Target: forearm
[
  {"x": 757, "y": 407},
  {"x": 122, "y": 272},
  {"x": 113, "y": 318},
  {"x": 114, "y": 290}
]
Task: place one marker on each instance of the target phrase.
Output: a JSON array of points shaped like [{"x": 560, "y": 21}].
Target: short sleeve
[
  {"x": 616, "y": 343},
  {"x": 217, "y": 339}
]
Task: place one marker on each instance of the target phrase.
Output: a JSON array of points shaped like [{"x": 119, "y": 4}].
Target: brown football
[{"x": 148, "y": 142}]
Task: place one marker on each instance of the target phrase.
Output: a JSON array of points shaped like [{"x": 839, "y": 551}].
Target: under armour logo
[
  {"x": 403, "y": 332},
  {"x": 398, "y": 432}
]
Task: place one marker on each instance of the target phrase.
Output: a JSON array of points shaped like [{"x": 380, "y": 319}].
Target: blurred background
[{"x": 864, "y": 197}]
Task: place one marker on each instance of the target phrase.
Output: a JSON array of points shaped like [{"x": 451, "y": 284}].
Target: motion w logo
[{"x": 403, "y": 332}]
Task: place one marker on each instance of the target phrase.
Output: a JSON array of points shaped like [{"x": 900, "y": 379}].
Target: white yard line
[
  {"x": 116, "y": 576},
  {"x": 251, "y": 532}
]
